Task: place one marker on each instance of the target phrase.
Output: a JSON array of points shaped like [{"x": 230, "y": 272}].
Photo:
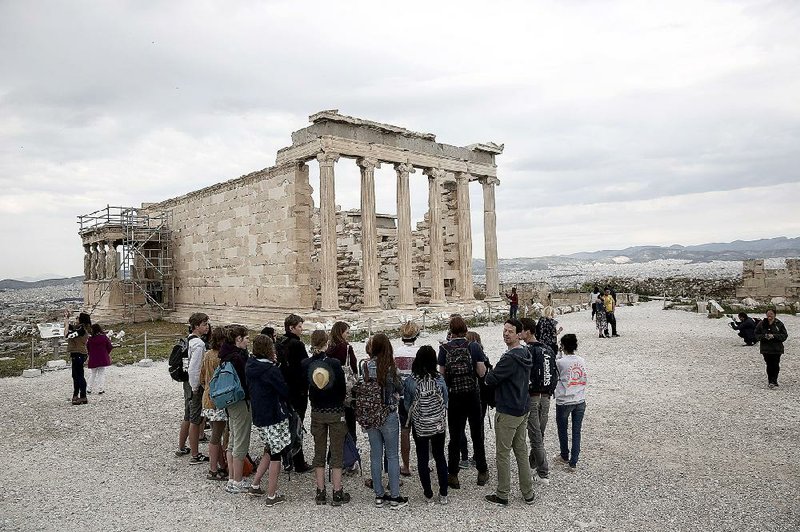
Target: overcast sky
[{"x": 624, "y": 123}]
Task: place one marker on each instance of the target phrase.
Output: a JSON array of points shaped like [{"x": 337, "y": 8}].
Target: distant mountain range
[
  {"x": 11, "y": 284},
  {"x": 734, "y": 251}
]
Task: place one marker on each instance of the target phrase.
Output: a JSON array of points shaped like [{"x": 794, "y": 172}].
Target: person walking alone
[{"x": 771, "y": 333}]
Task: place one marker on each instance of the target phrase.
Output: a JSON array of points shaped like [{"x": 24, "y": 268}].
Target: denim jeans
[
  {"x": 385, "y": 439},
  {"x": 563, "y": 414},
  {"x": 539, "y": 409},
  {"x": 78, "y": 378},
  {"x": 424, "y": 446}
]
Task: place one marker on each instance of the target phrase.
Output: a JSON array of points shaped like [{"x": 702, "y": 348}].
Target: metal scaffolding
[{"x": 146, "y": 266}]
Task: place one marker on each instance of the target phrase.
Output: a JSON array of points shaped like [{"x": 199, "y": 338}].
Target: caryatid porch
[{"x": 333, "y": 136}]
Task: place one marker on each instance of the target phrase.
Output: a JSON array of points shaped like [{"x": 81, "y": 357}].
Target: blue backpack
[{"x": 225, "y": 387}]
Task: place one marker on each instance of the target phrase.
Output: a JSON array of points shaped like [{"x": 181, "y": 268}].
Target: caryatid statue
[
  {"x": 101, "y": 260},
  {"x": 93, "y": 262},
  {"x": 111, "y": 261},
  {"x": 87, "y": 262}
]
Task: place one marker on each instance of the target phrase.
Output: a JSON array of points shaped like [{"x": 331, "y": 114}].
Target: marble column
[
  {"x": 369, "y": 236},
  {"x": 490, "y": 238},
  {"x": 327, "y": 217},
  {"x": 464, "y": 238},
  {"x": 436, "y": 241},
  {"x": 406, "y": 299}
]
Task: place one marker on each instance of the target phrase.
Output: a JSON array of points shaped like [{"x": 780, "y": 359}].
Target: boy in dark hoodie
[{"x": 510, "y": 377}]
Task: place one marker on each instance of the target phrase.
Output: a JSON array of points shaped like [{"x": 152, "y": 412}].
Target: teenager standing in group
[
  {"x": 240, "y": 419},
  {"x": 339, "y": 348},
  {"x": 570, "y": 395},
  {"x": 461, "y": 363},
  {"x": 217, "y": 417},
  {"x": 425, "y": 398},
  {"x": 295, "y": 353},
  {"x": 385, "y": 439}
]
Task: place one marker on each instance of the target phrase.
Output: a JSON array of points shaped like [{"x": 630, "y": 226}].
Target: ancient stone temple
[{"x": 256, "y": 247}]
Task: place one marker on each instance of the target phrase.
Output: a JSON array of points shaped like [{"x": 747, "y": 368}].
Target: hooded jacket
[
  {"x": 268, "y": 392},
  {"x": 511, "y": 377},
  {"x": 237, "y": 357}
]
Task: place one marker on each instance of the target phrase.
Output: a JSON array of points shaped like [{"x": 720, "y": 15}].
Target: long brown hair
[
  {"x": 383, "y": 352},
  {"x": 337, "y": 333}
]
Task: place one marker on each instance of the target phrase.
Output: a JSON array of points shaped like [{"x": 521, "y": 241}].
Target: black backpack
[
  {"x": 179, "y": 351},
  {"x": 544, "y": 373},
  {"x": 280, "y": 350},
  {"x": 459, "y": 373}
]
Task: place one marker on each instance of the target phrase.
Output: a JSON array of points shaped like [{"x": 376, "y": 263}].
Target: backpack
[
  {"x": 370, "y": 409},
  {"x": 486, "y": 391},
  {"x": 225, "y": 388},
  {"x": 296, "y": 430},
  {"x": 351, "y": 456},
  {"x": 280, "y": 350},
  {"x": 459, "y": 373},
  {"x": 179, "y": 352},
  {"x": 428, "y": 414},
  {"x": 544, "y": 373}
]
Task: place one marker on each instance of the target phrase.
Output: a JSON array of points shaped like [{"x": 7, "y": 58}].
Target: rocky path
[{"x": 681, "y": 433}]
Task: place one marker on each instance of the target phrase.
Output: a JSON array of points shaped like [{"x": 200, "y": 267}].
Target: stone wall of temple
[
  {"x": 762, "y": 283},
  {"x": 243, "y": 243}
]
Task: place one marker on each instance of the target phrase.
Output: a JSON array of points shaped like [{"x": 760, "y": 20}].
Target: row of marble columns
[
  {"x": 369, "y": 239},
  {"x": 98, "y": 263}
]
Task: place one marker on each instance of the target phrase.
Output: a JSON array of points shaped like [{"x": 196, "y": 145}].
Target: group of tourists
[
  {"x": 413, "y": 393},
  {"x": 88, "y": 344}
]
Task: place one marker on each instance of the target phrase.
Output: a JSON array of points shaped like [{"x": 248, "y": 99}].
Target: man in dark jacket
[
  {"x": 511, "y": 377},
  {"x": 771, "y": 332},
  {"x": 294, "y": 352},
  {"x": 544, "y": 377}
]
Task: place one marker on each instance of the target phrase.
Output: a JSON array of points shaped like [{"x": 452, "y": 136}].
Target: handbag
[{"x": 349, "y": 378}]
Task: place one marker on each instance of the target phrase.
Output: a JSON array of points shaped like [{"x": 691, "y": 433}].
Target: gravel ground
[{"x": 681, "y": 433}]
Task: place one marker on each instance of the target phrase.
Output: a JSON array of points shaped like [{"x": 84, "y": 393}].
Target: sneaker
[
  {"x": 572, "y": 468},
  {"x": 560, "y": 459},
  {"x": 322, "y": 497},
  {"x": 463, "y": 464},
  {"x": 443, "y": 500},
  {"x": 398, "y": 502},
  {"x": 429, "y": 500},
  {"x": 101, "y": 392},
  {"x": 483, "y": 477},
  {"x": 182, "y": 452},
  {"x": 88, "y": 391},
  {"x": 538, "y": 479},
  {"x": 775, "y": 383},
  {"x": 771, "y": 386},
  {"x": 217, "y": 475},
  {"x": 255, "y": 491},
  {"x": 494, "y": 499},
  {"x": 452, "y": 481},
  {"x": 276, "y": 500},
  {"x": 380, "y": 500},
  {"x": 199, "y": 459},
  {"x": 235, "y": 487},
  {"x": 340, "y": 498},
  {"x": 531, "y": 500},
  {"x": 615, "y": 335}
]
